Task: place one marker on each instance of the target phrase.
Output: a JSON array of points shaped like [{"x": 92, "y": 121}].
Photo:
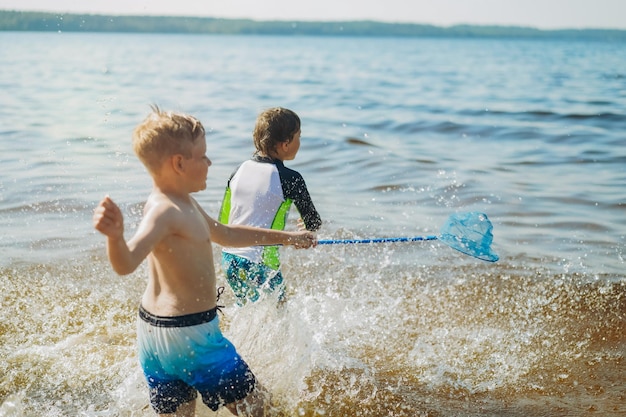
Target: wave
[{"x": 369, "y": 329}]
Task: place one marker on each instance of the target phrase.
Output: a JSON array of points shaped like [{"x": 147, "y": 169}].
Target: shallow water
[{"x": 397, "y": 135}]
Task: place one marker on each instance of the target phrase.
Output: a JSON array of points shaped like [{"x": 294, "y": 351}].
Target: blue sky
[{"x": 543, "y": 14}]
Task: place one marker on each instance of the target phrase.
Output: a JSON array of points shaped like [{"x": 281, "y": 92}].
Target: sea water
[{"x": 397, "y": 134}]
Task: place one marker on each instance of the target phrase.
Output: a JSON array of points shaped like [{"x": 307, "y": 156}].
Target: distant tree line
[{"x": 44, "y": 22}]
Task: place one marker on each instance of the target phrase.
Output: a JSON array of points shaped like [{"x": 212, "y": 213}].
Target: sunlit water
[{"x": 397, "y": 135}]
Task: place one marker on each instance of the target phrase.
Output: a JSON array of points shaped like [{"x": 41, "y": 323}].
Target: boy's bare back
[{"x": 182, "y": 272}]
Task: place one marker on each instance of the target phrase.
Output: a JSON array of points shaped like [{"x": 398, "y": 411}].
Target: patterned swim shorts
[{"x": 249, "y": 280}]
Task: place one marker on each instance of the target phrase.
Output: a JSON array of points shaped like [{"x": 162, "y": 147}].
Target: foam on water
[{"x": 361, "y": 334}]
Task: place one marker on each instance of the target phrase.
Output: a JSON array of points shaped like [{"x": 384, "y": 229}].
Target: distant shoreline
[{"x": 11, "y": 20}]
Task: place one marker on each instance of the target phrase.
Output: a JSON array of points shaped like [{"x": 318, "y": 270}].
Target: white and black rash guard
[{"x": 259, "y": 193}]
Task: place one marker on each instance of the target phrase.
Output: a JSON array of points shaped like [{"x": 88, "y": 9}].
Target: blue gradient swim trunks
[{"x": 184, "y": 355}]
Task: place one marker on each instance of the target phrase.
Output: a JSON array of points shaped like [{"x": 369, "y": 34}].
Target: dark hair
[{"x": 274, "y": 126}]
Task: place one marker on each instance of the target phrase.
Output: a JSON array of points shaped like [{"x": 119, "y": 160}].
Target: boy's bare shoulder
[
  {"x": 163, "y": 206},
  {"x": 158, "y": 201}
]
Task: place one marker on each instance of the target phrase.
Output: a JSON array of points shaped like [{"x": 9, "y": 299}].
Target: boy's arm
[
  {"x": 295, "y": 189},
  {"x": 243, "y": 236},
  {"x": 126, "y": 257}
]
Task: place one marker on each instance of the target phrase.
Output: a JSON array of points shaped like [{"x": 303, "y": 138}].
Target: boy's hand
[
  {"x": 303, "y": 240},
  {"x": 108, "y": 219}
]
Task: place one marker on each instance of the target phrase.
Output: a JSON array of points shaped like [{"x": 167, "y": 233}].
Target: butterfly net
[{"x": 470, "y": 233}]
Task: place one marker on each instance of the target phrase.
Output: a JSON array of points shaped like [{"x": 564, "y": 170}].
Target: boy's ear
[
  {"x": 284, "y": 146},
  {"x": 177, "y": 162}
]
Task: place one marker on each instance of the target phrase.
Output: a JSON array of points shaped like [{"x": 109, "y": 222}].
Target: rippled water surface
[{"x": 397, "y": 135}]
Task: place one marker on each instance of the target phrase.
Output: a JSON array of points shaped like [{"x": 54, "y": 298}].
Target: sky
[{"x": 542, "y": 14}]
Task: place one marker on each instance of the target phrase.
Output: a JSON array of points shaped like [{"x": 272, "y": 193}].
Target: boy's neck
[
  {"x": 170, "y": 191},
  {"x": 266, "y": 156}
]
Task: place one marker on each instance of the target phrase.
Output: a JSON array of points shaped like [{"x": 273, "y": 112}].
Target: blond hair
[{"x": 164, "y": 134}]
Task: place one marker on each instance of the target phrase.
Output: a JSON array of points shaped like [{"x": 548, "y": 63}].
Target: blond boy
[{"x": 180, "y": 346}]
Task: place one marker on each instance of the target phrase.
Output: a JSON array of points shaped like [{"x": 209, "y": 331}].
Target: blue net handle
[
  {"x": 470, "y": 233},
  {"x": 375, "y": 240}
]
